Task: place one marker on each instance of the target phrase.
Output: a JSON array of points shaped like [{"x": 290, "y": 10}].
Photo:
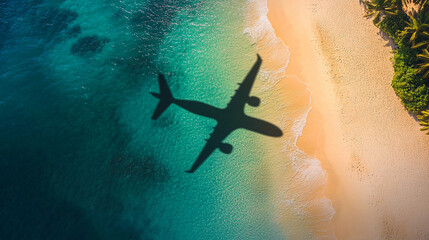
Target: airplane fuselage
[
  {"x": 229, "y": 118},
  {"x": 199, "y": 108}
]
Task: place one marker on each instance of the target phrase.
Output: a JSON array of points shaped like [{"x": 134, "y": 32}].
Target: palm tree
[
  {"x": 397, "y": 4},
  {"x": 379, "y": 8},
  {"x": 421, "y": 44},
  {"x": 424, "y": 121},
  {"x": 417, "y": 28},
  {"x": 413, "y": 7},
  {"x": 424, "y": 67}
]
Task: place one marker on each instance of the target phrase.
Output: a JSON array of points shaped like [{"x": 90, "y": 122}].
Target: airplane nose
[{"x": 278, "y": 133}]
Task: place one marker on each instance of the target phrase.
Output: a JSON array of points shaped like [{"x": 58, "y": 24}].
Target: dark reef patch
[
  {"x": 88, "y": 45},
  {"x": 52, "y": 22},
  {"x": 144, "y": 169}
]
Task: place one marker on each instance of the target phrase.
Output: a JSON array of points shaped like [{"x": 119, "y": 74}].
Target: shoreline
[
  {"x": 370, "y": 147},
  {"x": 310, "y": 66},
  {"x": 297, "y": 179}
]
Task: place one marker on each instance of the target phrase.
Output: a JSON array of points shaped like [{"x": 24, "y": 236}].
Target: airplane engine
[
  {"x": 225, "y": 148},
  {"x": 254, "y": 101}
]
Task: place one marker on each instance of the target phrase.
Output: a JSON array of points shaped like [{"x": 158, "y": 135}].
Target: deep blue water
[{"x": 80, "y": 157}]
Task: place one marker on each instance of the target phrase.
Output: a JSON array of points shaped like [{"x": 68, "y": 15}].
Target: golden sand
[{"x": 377, "y": 160}]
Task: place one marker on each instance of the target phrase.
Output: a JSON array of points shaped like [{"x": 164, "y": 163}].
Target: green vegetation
[
  {"x": 416, "y": 29},
  {"x": 407, "y": 23},
  {"x": 424, "y": 121},
  {"x": 394, "y": 25},
  {"x": 379, "y": 8},
  {"x": 424, "y": 66}
]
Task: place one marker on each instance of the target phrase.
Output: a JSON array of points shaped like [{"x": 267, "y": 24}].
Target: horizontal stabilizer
[{"x": 165, "y": 97}]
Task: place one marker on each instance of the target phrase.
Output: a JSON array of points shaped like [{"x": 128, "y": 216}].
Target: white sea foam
[{"x": 302, "y": 208}]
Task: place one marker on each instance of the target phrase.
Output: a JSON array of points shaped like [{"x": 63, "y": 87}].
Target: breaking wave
[{"x": 299, "y": 180}]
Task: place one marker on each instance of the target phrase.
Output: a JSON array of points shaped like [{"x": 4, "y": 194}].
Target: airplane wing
[
  {"x": 242, "y": 93},
  {"x": 216, "y": 138}
]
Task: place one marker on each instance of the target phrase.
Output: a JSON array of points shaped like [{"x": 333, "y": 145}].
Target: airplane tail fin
[{"x": 165, "y": 97}]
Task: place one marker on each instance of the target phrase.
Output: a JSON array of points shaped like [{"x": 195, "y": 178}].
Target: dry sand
[{"x": 376, "y": 158}]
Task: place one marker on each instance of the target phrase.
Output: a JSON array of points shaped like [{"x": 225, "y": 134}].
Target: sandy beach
[{"x": 377, "y": 160}]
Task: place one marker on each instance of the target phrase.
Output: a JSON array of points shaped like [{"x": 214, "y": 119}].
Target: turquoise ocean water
[{"x": 80, "y": 156}]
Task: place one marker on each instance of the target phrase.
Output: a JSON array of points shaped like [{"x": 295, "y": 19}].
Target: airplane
[{"x": 229, "y": 119}]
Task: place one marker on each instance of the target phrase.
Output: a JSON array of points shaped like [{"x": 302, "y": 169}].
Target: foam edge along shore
[{"x": 298, "y": 181}]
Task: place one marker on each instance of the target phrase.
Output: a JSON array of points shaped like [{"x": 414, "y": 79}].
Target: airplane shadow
[{"x": 229, "y": 119}]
